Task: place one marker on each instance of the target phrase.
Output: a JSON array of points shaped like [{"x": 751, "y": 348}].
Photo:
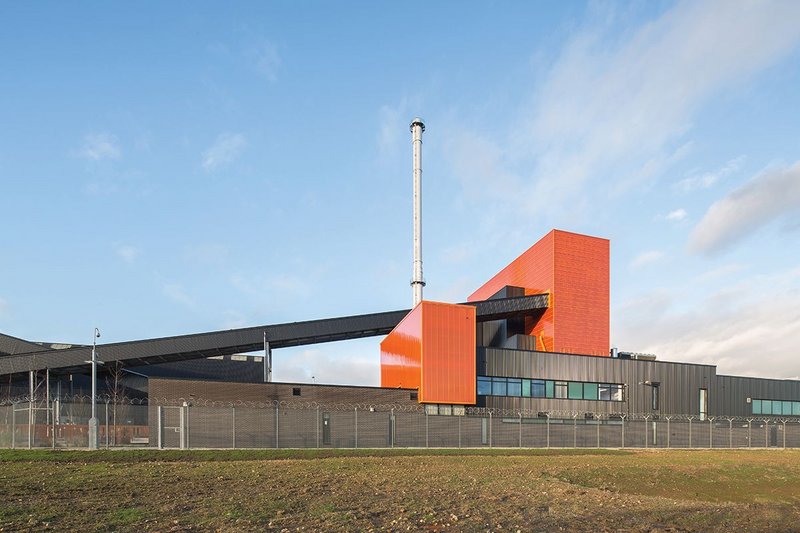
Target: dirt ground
[{"x": 401, "y": 490}]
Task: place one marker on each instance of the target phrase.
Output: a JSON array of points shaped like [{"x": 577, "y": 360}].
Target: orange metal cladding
[
  {"x": 433, "y": 350},
  {"x": 448, "y": 354},
  {"x": 574, "y": 269},
  {"x": 401, "y": 353}
]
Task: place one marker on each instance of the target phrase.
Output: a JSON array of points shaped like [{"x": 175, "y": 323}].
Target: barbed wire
[{"x": 541, "y": 416}]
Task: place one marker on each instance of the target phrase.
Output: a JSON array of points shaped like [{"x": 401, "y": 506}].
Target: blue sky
[{"x": 170, "y": 168}]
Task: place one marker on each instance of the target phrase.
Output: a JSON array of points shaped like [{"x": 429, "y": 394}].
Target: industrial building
[{"x": 533, "y": 340}]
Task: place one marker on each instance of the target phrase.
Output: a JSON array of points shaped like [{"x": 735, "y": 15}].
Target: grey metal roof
[{"x": 195, "y": 346}]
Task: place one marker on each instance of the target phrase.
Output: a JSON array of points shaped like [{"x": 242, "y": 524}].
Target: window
[
  {"x": 590, "y": 391},
  {"x": 413, "y": 395},
  {"x": 484, "y": 386},
  {"x": 756, "y": 407},
  {"x": 575, "y": 390},
  {"x": 604, "y": 391},
  {"x": 655, "y": 398},
  {"x": 540, "y": 388},
  {"x": 296, "y": 391},
  {"x": 446, "y": 410},
  {"x": 775, "y": 407},
  {"x": 703, "y": 403}
]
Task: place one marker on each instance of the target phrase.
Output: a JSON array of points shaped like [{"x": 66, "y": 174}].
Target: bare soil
[{"x": 401, "y": 490}]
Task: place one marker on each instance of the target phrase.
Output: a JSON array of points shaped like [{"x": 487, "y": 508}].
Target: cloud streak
[
  {"x": 225, "y": 150},
  {"x": 765, "y": 198},
  {"x": 98, "y": 146}
]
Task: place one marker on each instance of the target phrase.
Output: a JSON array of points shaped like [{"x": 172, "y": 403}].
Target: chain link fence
[{"x": 191, "y": 423}]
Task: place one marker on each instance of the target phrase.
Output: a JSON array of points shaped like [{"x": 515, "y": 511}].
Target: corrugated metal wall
[
  {"x": 679, "y": 382},
  {"x": 401, "y": 353},
  {"x": 448, "y": 354}
]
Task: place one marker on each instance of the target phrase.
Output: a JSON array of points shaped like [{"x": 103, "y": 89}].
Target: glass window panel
[
  {"x": 776, "y": 407},
  {"x": 548, "y": 389},
  {"x": 604, "y": 391},
  {"x": 616, "y": 393},
  {"x": 766, "y": 407},
  {"x": 796, "y": 408},
  {"x": 499, "y": 386},
  {"x": 575, "y": 390},
  {"x": 537, "y": 388},
  {"x": 446, "y": 410},
  {"x": 756, "y": 407},
  {"x": 590, "y": 391},
  {"x": 484, "y": 386},
  {"x": 514, "y": 387},
  {"x": 561, "y": 389},
  {"x": 526, "y": 388},
  {"x": 787, "y": 408}
]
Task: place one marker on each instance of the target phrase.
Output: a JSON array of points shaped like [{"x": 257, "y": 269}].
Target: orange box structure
[
  {"x": 574, "y": 270},
  {"x": 433, "y": 350}
]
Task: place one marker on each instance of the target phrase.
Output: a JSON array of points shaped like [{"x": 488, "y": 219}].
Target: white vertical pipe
[{"x": 417, "y": 127}]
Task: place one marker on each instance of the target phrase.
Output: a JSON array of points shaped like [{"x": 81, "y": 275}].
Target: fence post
[
  {"x": 749, "y": 432},
  {"x": 53, "y": 420},
  {"x": 106, "y": 424},
  {"x": 766, "y": 433},
  {"x": 711, "y": 432},
  {"x": 784, "y": 434},
  {"x": 13, "y": 426},
  {"x": 730, "y": 433},
  {"x": 277, "y": 414},
  {"x": 690, "y": 431},
  {"x": 233, "y": 426},
  {"x": 597, "y": 418},
  {"x": 520, "y": 428},
  {"x": 318, "y": 426},
  {"x": 158, "y": 427},
  {"x": 355, "y": 414},
  {"x": 459, "y": 429},
  {"x": 426, "y": 428},
  {"x": 623, "y": 431},
  {"x": 574, "y": 430},
  {"x": 392, "y": 427},
  {"x": 646, "y": 430},
  {"x": 548, "y": 430},
  {"x": 668, "y": 418},
  {"x": 490, "y": 428},
  {"x": 30, "y": 419}
]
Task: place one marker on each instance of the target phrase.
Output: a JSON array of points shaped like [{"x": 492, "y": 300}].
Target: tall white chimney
[{"x": 417, "y": 127}]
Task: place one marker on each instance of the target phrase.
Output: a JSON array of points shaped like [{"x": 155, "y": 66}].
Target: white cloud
[
  {"x": 706, "y": 180},
  {"x": 621, "y": 107},
  {"x": 177, "y": 294},
  {"x": 342, "y": 363},
  {"x": 764, "y": 198},
  {"x": 676, "y": 215},
  {"x": 128, "y": 253},
  {"x": 99, "y": 146},
  {"x": 748, "y": 328},
  {"x": 226, "y": 149},
  {"x": 265, "y": 59},
  {"x": 646, "y": 258}
]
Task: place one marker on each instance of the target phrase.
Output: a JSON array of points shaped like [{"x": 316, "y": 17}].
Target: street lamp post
[{"x": 93, "y": 437}]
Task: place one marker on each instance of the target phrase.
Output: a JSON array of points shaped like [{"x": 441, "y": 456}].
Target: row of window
[
  {"x": 776, "y": 407},
  {"x": 548, "y": 388}
]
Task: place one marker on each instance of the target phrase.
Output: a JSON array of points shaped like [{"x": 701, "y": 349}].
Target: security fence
[{"x": 185, "y": 424}]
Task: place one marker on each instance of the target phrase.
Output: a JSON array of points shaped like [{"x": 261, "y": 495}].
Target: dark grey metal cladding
[
  {"x": 733, "y": 391},
  {"x": 12, "y": 345},
  {"x": 679, "y": 387},
  {"x": 249, "y": 339}
]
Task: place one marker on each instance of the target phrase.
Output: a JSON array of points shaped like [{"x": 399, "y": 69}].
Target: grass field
[{"x": 400, "y": 490}]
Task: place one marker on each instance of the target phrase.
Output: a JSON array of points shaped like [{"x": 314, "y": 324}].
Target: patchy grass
[{"x": 417, "y": 490}]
